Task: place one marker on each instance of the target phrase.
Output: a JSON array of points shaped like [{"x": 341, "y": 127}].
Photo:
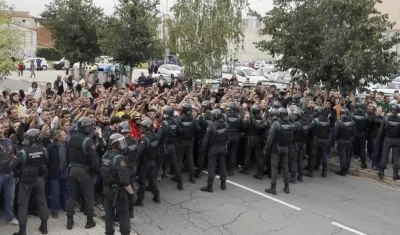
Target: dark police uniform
[
  {"x": 318, "y": 134},
  {"x": 361, "y": 121},
  {"x": 344, "y": 132},
  {"x": 167, "y": 134},
  {"x": 147, "y": 153},
  {"x": 215, "y": 140},
  {"x": 132, "y": 163},
  {"x": 31, "y": 163},
  {"x": 116, "y": 176},
  {"x": 189, "y": 126},
  {"x": 389, "y": 132},
  {"x": 234, "y": 121},
  {"x": 298, "y": 147},
  {"x": 83, "y": 163},
  {"x": 202, "y": 121},
  {"x": 279, "y": 138}
]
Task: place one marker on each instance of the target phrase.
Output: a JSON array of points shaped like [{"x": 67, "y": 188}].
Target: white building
[{"x": 29, "y": 42}]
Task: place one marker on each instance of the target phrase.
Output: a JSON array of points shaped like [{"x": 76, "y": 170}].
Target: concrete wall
[
  {"x": 29, "y": 42},
  {"x": 24, "y": 21}
]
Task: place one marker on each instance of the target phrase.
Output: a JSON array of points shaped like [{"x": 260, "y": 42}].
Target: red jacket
[{"x": 135, "y": 132}]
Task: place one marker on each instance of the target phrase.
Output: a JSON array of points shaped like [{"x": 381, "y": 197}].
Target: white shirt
[{"x": 36, "y": 92}]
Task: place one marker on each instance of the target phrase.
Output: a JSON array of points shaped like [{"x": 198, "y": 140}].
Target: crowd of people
[{"x": 98, "y": 142}]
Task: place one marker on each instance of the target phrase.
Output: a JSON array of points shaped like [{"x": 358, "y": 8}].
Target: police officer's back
[
  {"x": 344, "y": 133},
  {"x": 361, "y": 121},
  {"x": 389, "y": 133},
  {"x": 279, "y": 138},
  {"x": 83, "y": 162},
  {"x": 167, "y": 134},
  {"x": 215, "y": 140},
  {"x": 234, "y": 120},
  {"x": 147, "y": 153},
  {"x": 130, "y": 152},
  {"x": 31, "y": 163},
  {"x": 117, "y": 188},
  {"x": 202, "y": 121}
]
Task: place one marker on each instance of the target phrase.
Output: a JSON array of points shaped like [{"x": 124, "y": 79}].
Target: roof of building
[{"x": 22, "y": 14}]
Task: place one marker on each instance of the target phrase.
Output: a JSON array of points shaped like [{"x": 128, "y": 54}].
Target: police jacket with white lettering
[
  {"x": 319, "y": 128},
  {"x": 168, "y": 131},
  {"x": 131, "y": 151},
  {"x": 189, "y": 126},
  {"x": 217, "y": 134},
  {"x": 234, "y": 121},
  {"x": 345, "y": 129},
  {"x": 361, "y": 119},
  {"x": 281, "y": 133},
  {"x": 390, "y": 127},
  {"x": 148, "y": 147}
]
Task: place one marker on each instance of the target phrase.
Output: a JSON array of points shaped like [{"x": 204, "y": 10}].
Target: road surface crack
[
  {"x": 276, "y": 230},
  {"x": 336, "y": 231}
]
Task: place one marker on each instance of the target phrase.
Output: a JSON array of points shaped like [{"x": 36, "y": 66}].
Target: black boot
[
  {"x": 156, "y": 197},
  {"x": 139, "y": 202},
  {"x": 309, "y": 173},
  {"x": 300, "y": 178},
  {"x": 70, "y": 222},
  {"x": 323, "y": 174},
  {"x": 208, "y": 188},
  {"x": 286, "y": 189},
  {"x": 381, "y": 173},
  {"x": 180, "y": 186},
  {"x": 342, "y": 172},
  {"x": 223, "y": 185},
  {"x": 259, "y": 175},
  {"x": 22, "y": 230},
  {"x": 43, "y": 227},
  {"x": 90, "y": 223},
  {"x": 364, "y": 165},
  {"x": 230, "y": 172},
  {"x": 396, "y": 175},
  {"x": 131, "y": 212},
  {"x": 192, "y": 179},
  {"x": 198, "y": 173},
  {"x": 244, "y": 171},
  {"x": 293, "y": 179},
  {"x": 272, "y": 190}
]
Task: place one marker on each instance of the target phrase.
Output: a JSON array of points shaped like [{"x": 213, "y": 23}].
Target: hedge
[{"x": 48, "y": 54}]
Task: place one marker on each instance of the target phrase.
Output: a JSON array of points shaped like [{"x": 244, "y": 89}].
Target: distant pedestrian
[
  {"x": 21, "y": 68},
  {"x": 32, "y": 68},
  {"x": 38, "y": 64}
]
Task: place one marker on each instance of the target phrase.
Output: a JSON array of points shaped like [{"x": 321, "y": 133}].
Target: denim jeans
[
  {"x": 376, "y": 153},
  {"x": 59, "y": 194},
  {"x": 8, "y": 186}
]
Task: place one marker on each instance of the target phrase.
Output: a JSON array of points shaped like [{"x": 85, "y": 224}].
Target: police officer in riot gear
[
  {"x": 300, "y": 126},
  {"x": 202, "y": 121},
  {"x": 361, "y": 121},
  {"x": 116, "y": 174},
  {"x": 255, "y": 130},
  {"x": 343, "y": 133},
  {"x": 389, "y": 133},
  {"x": 147, "y": 153},
  {"x": 83, "y": 163},
  {"x": 30, "y": 166},
  {"x": 167, "y": 134},
  {"x": 234, "y": 120},
  {"x": 131, "y": 160},
  {"x": 216, "y": 139},
  {"x": 318, "y": 134},
  {"x": 279, "y": 138},
  {"x": 273, "y": 115},
  {"x": 188, "y": 126}
]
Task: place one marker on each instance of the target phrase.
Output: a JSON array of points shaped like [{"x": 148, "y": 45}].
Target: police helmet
[
  {"x": 395, "y": 109},
  {"x": 298, "y": 112},
  {"x": 273, "y": 112},
  {"x": 217, "y": 114},
  {"x": 282, "y": 112},
  {"x": 206, "y": 105},
  {"x": 168, "y": 112},
  {"x": 358, "y": 105},
  {"x": 187, "y": 109},
  {"x": 318, "y": 109},
  {"x": 124, "y": 127},
  {"x": 255, "y": 109},
  {"x": 117, "y": 141},
  {"x": 147, "y": 124},
  {"x": 86, "y": 125},
  {"x": 32, "y": 136},
  {"x": 277, "y": 104},
  {"x": 344, "y": 112},
  {"x": 231, "y": 107}
]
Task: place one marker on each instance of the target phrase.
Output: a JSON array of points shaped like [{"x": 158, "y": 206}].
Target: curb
[{"x": 358, "y": 172}]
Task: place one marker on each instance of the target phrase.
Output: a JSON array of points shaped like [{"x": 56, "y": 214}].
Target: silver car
[{"x": 168, "y": 69}]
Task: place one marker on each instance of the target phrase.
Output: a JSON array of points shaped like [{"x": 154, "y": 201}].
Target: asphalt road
[{"x": 335, "y": 205}]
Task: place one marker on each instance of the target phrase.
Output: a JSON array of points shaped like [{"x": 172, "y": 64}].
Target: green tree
[
  {"x": 10, "y": 41},
  {"x": 72, "y": 24},
  {"x": 202, "y": 32},
  {"x": 129, "y": 36},
  {"x": 341, "y": 43}
]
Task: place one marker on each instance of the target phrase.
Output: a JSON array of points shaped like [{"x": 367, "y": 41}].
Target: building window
[
  {"x": 245, "y": 23},
  {"x": 258, "y": 24}
]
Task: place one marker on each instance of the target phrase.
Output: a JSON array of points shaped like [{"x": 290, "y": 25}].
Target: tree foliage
[
  {"x": 129, "y": 36},
  {"x": 72, "y": 24},
  {"x": 10, "y": 40},
  {"x": 341, "y": 43},
  {"x": 201, "y": 31}
]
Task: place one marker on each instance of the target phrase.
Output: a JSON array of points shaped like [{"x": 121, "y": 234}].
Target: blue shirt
[
  {"x": 62, "y": 154},
  {"x": 7, "y": 150}
]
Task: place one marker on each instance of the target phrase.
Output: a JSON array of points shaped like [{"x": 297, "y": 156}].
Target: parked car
[
  {"x": 168, "y": 69},
  {"x": 58, "y": 65},
  {"x": 44, "y": 63},
  {"x": 389, "y": 88}
]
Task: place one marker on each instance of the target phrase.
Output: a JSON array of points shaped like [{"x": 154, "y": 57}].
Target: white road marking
[
  {"x": 348, "y": 228},
  {"x": 261, "y": 194}
]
